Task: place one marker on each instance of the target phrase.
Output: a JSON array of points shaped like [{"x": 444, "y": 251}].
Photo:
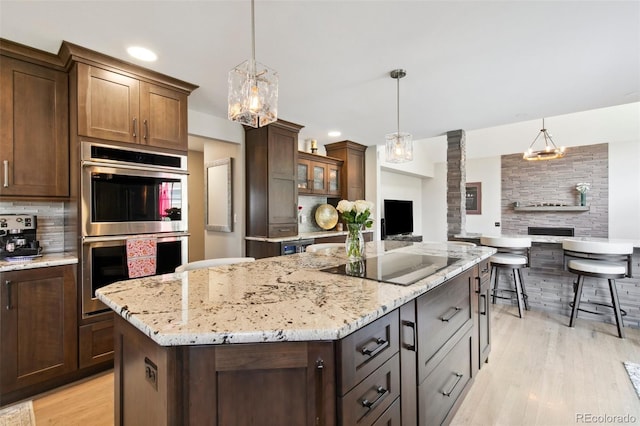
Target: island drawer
[
  {"x": 363, "y": 351},
  {"x": 440, "y": 313},
  {"x": 441, "y": 389},
  {"x": 365, "y": 403}
]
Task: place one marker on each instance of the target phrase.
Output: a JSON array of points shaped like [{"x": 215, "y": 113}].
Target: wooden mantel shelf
[{"x": 552, "y": 209}]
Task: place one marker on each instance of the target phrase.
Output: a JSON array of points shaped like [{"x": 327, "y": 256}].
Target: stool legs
[
  {"x": 519, "y": 288},
  {"x": 494, "y": 280},
  {"x": 616, "y": 307},
  {"x": 517, "y": 280},
  {"x": 614, "y": 301},
  {"x": 576, "y": 300}
]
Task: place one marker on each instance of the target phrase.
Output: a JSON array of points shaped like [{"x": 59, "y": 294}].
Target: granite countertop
[
  {"x": 285, "y": 298},
  {"x": 303, "y": 236},
  {"x": 46, "y": 260}
]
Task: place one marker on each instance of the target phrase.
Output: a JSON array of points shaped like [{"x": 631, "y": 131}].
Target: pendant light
[
  {"x": 399, "y": 146},
  {"x": 253, "y": 89},
  {"x": 550, "y": 151}
]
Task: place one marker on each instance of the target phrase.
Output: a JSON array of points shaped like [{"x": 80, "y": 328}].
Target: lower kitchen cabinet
[
  {"x": 38, "y": 330},
  {"x": 95, "y": 342}
]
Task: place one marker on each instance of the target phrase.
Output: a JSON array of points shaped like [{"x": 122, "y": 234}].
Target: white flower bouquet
[
  {"x": 356, "y": 212},
  {"x": 582, "y": 187}
]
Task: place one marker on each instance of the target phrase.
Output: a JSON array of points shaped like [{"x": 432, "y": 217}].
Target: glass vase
[
  {"x": 354, "y": 243},
  {"x": 583, "y": 198}
]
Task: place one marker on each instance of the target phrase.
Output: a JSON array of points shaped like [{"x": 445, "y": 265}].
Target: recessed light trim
[
  {"x": 142, "y": 53},
  {"x": 334, "y": 134}
]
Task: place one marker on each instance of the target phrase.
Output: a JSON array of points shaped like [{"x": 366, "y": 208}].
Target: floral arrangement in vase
[
  {"x": 582, "y": 188},
  {"x": 356, "y": 215}
]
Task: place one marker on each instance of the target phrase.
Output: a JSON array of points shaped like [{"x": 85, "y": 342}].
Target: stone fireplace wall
[{"x": 554, "y": 181}]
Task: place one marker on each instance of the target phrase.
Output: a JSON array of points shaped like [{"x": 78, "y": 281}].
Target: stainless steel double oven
[{"x": 128, "y": 192}]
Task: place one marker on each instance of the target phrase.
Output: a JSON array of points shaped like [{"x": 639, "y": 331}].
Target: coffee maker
[{"x": 18, "y": 236}]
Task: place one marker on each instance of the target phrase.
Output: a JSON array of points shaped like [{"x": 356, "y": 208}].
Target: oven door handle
[
  {"x": 159, "y": 236},
  {"x": 86, "y": 163}
]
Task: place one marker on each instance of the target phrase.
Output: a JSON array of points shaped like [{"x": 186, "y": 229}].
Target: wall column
[{"x": 456, "y": 180}]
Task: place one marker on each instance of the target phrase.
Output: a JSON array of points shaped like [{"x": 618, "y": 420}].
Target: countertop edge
[
  {"x": 262, "y": 336},
  {"x": 47, "y": 260}
]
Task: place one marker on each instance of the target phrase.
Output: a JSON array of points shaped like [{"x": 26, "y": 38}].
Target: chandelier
[
  {"x": 253, "y": 89},
  {"x": 550, "y": 151},
  {"x": 399, "y": 146}
]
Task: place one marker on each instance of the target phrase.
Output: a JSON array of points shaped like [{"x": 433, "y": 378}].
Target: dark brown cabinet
[
  {"x": 34, "y": 132},
  {"x": 95, "y": 342},
  {"x": 484, "y": 312},
  {"x": 438, "y": 351},
  {"x": 290, "y": 383},
  {"x": 117, "y": 107},
  {"x": 352, "y": 174},
  {"x": 271, "y": 188},
  {"x": 318, "y": 175},
  {"x": 38, "y": 329}
]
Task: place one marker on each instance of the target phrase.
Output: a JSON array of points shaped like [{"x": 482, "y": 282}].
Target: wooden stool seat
[{"x": 598, "y": 259}]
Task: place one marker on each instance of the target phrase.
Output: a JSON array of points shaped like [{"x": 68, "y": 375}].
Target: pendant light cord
[
  {"x": 253, "y": 33},
  {"x": 398, "y": 103}
]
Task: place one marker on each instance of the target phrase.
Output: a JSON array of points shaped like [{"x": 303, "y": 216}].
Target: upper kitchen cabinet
[
  {"x": 352, "y": 172},
  {"x": 34, "y": 130},
  {"x": 117, "y": 101},
  {"x": 318, "y": 175},
  {"x": 272, "y": 193}
]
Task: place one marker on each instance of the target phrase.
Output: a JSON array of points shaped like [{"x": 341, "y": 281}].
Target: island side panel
[{"x": 146, "y": 379}]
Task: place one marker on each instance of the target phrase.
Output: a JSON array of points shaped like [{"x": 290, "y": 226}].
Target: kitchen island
[{"x": 279, "y": 341}]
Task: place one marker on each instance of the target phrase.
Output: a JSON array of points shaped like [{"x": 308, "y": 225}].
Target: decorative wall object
[
  {"x": 473, "y": 197},
  {"x": 219, "y": 215}
]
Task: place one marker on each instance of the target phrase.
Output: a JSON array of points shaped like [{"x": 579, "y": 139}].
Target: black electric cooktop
[{"x": 395, "y": 268}]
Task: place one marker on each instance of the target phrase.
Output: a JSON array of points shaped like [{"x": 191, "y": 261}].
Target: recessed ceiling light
[
  {"x": 142, "y": 53},
  {"x": 334, "y": 133}
]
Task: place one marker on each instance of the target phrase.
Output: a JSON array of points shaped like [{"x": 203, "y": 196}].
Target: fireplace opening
[{"x": 555, "y": 231}]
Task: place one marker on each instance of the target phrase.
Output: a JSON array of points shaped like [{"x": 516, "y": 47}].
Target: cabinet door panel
[
  {"x": 108, "y": 105},
  {"x": 34, "y": 136},
  {"x": 38, "y": 326},
  {"x": 164, "y": 117}
]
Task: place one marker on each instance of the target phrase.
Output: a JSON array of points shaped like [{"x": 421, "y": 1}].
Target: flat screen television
[{"x": 398, "y": 217}]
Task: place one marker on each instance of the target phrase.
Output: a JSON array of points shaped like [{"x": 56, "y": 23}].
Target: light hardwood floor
[{"x": 540, "y": 372}]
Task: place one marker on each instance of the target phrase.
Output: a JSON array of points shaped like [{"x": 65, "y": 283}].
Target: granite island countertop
[{"x": 284, "y": 298}]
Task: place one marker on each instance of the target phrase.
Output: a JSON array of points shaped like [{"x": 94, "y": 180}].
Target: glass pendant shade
[
  {"x": 399, "y": 147},
  {"x": 253, "y": 89},
  {"x": 550, "y": 150},
  {"x": 253, "y": 94}
]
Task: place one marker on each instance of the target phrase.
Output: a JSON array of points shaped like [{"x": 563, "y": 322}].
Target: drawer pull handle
[
  {"x": 6, "y": 173},
  {"x": 381, "y": 344},
  {"x": 412, "y": 326},
  {"x": 284, "y": 230},
  {"x": 486, "y": 269},
  {"x": 483, "y": 297},
  {"x": 319, "y": 392},
  {"x": 458, "y": 378},
  {"x": 382, "y": 393},
  {"x": 7, "y": 284},
  {"x": 446, "y": 318}
]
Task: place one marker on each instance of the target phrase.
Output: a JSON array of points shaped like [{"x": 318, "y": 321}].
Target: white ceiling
[{"x": 470, "y": 65}]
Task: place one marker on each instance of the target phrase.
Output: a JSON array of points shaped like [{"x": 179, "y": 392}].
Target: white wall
[
  {"x": 624, "y": 190},
  {"x": 434, "y": 206},
  {"x": 486, "y": 171},
  {"x": 228, "y": 244}
]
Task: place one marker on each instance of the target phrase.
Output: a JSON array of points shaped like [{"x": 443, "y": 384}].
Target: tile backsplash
[
  {"x": 50, "y": 216},
  {"x": 309, "y": 205}
]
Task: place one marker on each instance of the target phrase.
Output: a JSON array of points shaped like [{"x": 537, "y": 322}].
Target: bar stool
[
  {"x": 598, "y": 259},
  {"x": 514, "y": 254}
]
